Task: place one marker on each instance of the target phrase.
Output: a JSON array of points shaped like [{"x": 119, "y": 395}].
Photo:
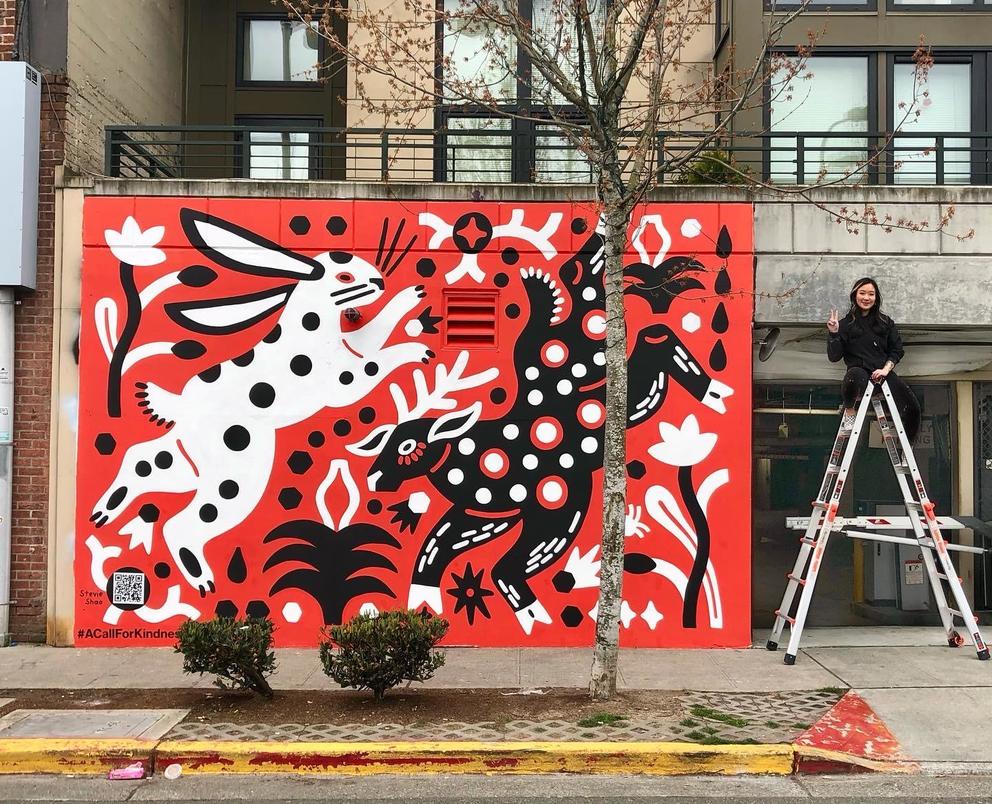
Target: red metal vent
[{"x": 470, "y": 318}]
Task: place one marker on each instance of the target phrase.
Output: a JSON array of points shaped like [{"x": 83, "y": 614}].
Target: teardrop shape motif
[
  {"x": 718, "y": 357},
  {"x": 722, "y": 285},
  {"x": 724, "y": 245},
  {"x": 237, "y": 570},
  {"x": 720, "y": 321}
]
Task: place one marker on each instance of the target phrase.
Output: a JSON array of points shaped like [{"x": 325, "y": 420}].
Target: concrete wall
[
  {"x": 125, "y": 64},
  {"x": 939, "y": 276}
]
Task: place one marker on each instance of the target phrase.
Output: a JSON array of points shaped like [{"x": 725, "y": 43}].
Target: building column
[{"x": 964, "y": 479}]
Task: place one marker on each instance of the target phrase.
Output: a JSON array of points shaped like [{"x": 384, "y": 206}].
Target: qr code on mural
[{"x": 128, "y": 589}]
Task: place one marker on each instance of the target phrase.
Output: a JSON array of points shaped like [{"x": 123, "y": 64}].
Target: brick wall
[
  {"x": 33, "y": 323},
  {"x": 8, "y": 17}
]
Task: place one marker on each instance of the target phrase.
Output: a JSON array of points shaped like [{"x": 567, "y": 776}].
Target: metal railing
[{"x": 538, "y": 154}]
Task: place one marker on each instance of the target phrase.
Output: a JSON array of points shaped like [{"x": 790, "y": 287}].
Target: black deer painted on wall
[{"x": 534, "y": 466}]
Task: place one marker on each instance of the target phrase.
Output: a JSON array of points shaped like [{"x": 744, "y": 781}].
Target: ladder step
[
  {"x": 822, "y": 506},
  {"x": 786, "y": 617},
  {"x": 810, "y": 542},
  {"x": 945, "y": 578},
  {"x": 792, "y": 577}
]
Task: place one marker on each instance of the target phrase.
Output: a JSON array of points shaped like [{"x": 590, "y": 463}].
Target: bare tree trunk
[{"x": 603, "y": 682}]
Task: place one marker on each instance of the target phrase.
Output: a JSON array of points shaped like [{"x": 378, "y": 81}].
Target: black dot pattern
[
  {"x": 236, "y": 438},
  {"x": 162, "y": 570},
  {"x": 262, "y": 395},
  {"x": 163, "y": 460},
  {"x": 366, "y": 415},
  {"x": 228, "y": 489},
  {"x": 374, "y": 506},
  {"x": 346, "y": 378},
  {"x": 300, "y": 365},
  {"x": 142, "y": 468},
  {"x": 371, "y": 369},
  {"x": 245, "y": 359},
  {"x": 316, "y": 439},
  {"x": 299, "y": 224},
  {"x": 501, "y": 280},
  {"x": 497, "y": 396},
  {"x": 342, "y": 427},
  {"x": 311, "y": 321},
  {"x": 208, "y": 512},
  {"x": 336, "y": 225},
  {"x": 510, "y": 256},
  {"x": 210, "y": 375},
  {"x": 579, "y": 226},
  {"x": 512, "y": 311}
]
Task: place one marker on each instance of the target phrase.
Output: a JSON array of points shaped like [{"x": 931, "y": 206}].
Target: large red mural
[{"x": 306, "y": 409}]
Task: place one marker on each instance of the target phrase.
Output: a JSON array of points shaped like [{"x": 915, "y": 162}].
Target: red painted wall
[{"x": 306, "y": 408}]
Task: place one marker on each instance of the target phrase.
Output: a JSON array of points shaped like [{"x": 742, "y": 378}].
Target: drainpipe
[{"x": 6, "y": 452}]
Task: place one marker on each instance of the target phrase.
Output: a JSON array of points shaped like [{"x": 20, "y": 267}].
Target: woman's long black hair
[{"x": 876, "y": 320}]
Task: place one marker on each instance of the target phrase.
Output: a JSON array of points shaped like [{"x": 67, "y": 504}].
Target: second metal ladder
[{"x": 923, "y": 520}]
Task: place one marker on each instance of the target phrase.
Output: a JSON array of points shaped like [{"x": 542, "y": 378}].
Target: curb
[
  {"x": 99, "y": 756},
  {"x": 657, "y": 759},
  {"x": 73, "y": 756}
]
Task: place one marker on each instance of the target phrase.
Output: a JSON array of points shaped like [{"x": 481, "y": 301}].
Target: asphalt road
[{"x": 503, "y": 789}]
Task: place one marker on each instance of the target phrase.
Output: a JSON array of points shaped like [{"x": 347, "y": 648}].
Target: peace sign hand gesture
[{"x": 833, "y": 324}]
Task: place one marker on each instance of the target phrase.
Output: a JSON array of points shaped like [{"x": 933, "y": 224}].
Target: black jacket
[{"x": 859, "y": 345}]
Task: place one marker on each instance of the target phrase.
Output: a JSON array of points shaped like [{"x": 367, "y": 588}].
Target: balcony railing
[{"x": 489, "y": 155}]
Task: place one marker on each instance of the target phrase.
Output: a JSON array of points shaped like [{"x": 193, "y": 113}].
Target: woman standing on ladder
[{"x": 869, "y": 343}]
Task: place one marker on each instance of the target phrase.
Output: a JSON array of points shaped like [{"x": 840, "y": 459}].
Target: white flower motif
[
  {"x": 691, "y": 227},
  {"x": 369, "y": 609},
  {"x": 584, "y": 569},
  {"x": 132, "y": 246},
  {"x": 682, "y": 446}
]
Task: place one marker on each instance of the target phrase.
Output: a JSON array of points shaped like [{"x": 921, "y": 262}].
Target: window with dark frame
[
  {"x": 822, "y": 5},
  {"x": 502, "y": 148},
  {"x": 275, "y": 51},
  {"x": 937, "y": 5},
  {"x": 279, "y": 148},
  {"x": 938, "y": 127},
  {"x": 825, "y": 105}
]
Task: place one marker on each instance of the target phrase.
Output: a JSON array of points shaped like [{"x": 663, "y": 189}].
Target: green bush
[
  {"x": 712, "y": 167},
  {"x": 378, "y": 652},
  {"x": 238, "y": 652}
]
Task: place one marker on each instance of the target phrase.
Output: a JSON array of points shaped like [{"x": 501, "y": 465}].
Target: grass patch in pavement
[{"x": 706, "y": 713}]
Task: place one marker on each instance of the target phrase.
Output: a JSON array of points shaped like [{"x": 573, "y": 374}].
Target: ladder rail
[
  {"x": 950, "y": 575},
  {"x": 827, "y": 503}
]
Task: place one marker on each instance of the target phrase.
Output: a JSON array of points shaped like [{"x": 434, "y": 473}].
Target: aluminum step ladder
[{"x": 922, "y": 519}]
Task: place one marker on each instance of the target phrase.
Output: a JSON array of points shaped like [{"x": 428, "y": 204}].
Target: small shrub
[
  {"x": 377, "y": 652},
  {"x": 712, "y": 167},
  {"x": 238, "y": 652}
]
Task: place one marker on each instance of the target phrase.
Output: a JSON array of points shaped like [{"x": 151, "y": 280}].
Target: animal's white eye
[{"x": 406, "y": 447}]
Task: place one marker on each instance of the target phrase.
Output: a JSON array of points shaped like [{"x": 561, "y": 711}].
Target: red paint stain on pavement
[
  {"x": 355, "y": 760},
  {"x": 852, "y": 727}
]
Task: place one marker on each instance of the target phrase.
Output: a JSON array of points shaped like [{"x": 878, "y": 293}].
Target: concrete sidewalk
[{"x": 934, "y": 699}]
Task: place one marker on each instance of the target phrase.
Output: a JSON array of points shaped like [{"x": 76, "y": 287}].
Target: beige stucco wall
[{"x": 125, "y": 65}]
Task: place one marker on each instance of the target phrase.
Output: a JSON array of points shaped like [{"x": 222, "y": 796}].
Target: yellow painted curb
[
  {"x": 82, "y": 756},
  {"x": 661, "y": 759}
]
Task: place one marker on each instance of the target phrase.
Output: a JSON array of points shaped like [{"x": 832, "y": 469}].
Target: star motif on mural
[
  {"x": 403, "y": 514},
  {"x": 470, "y": 594},
  {"x": 472, "y": 233},
  {"x": 429, "y": 322}
]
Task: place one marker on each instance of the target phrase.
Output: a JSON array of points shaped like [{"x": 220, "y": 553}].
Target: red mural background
[{"x": 306, "y": 409}]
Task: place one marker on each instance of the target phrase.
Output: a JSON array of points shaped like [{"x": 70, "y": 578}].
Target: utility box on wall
[{"x": 20, "y": 111}]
